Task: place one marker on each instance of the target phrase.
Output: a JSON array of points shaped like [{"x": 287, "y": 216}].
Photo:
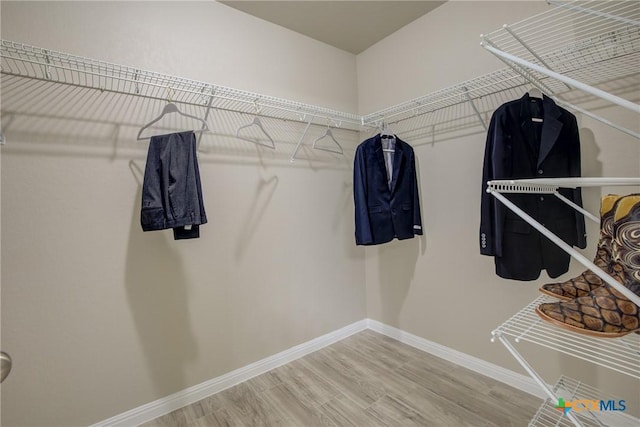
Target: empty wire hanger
[
  {"x": 257, "y": 123},
  {"x": 170, "y": 107},
  {"x": 328, "y": 134}
]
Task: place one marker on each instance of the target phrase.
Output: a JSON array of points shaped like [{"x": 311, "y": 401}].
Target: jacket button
[
  {"x": 393, "y": 210},
  {"x": 540, "y": 171},
  {"x": 541, "y": 198}
]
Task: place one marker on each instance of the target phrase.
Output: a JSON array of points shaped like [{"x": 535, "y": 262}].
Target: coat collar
[{"x": 551, "y": 126}]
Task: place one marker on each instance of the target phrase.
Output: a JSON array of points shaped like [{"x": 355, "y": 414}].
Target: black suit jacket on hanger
[
  {"x": 382, "y": 211},
  {"x": 518, "y": 147}
]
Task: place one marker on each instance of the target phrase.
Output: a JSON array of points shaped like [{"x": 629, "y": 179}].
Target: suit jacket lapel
[
  {"x": 551, "y": 128},
  {"x": 397, "y": 163},
  {"x": 527, "y": 126},
  {"x": 380, "y": 157}
]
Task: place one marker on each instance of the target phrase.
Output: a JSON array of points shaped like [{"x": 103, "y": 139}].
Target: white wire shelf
[
  {"x": 584, "y": 45},
  {"x": 619, "y": 354},
  {"x": 550, "y": 185},
  {"x": 589, "y": 31},
  {"x": 570, "y": 390},
  {"x": 36, "y": 63},
  {"x": 593, "y": 47}
]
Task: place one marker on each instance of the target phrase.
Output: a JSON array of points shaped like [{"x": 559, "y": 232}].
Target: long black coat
[{"x": 518, "y": 147}]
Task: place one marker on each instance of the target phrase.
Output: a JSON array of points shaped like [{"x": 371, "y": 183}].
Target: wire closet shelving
[
  {"x": 577, "y": 48},
  {"x": 32, "y": 62},
  {"x": 619, "y": 354},
  {"x": 582, "y": 52},
  {"x": 600, "y": 47}
]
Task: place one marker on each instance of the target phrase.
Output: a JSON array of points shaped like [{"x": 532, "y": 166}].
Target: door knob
[{"x": 5, "y": 365}]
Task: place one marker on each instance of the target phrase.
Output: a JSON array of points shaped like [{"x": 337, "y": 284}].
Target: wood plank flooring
[{"x": 366, "y": 380}]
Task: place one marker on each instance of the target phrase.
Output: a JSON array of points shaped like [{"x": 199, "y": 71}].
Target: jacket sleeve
[
  {"x": 490, "y": 243},
  {"x": 364, "y": 235},
  {"x": 576, "y": 194},
  {"x": 417, "y": 218}
]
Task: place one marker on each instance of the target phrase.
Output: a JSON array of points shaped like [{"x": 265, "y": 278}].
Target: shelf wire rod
[
  {"x": 577, "y": 255},
  {"x": 637, "y": 352},
  {"x": 618, "y": 351},
  {"x": 475, "y": 109},
  {"x": 526, "y": 46},
  {"x": 533, "y": 374},
  {"x": 628, "y": 367},
  {"x": 528, "y": 330},
  {"x": 578, "y": 208},
  {"x": 572, "y": 82},
  {"x": 596, "y": 117},
  {"x": 521, "y": 72},
  {"x": 594, "y": 12}
]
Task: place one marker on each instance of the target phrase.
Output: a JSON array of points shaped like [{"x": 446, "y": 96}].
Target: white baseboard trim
[
  {"x": 157, "y": 408},
  {"x": 498, "y": 373}
]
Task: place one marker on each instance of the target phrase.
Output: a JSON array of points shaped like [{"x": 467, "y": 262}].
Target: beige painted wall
[
  {"x": 101, "y": 317},
  {"x": 440, "y": 287}
]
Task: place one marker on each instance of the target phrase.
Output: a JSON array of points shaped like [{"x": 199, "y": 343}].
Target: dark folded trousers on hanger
[{"x": 171, "y": 192}]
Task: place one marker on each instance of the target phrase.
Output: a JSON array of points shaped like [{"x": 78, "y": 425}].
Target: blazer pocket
[
  {"x": 515, "y": 226},
  {"x": 375, "y": 209},
  {"x": 406, "y": 207}
]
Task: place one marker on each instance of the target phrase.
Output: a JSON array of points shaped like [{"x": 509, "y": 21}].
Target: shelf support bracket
[
  {"x": 531, "y": 51},
  {"x": 568, "y": 80},
  {"x": 475, "y": 109},
  {"x": 47, "y": 68}
]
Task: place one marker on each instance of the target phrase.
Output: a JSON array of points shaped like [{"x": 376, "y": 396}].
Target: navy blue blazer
[
  {"x": 518, "y": 147},
  {"x": 384, "y": 213}
]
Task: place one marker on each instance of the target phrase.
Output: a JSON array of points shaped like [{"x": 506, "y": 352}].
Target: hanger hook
[
  {"x": 257, "y": 107},
  {"x": 169, "y": 91}
]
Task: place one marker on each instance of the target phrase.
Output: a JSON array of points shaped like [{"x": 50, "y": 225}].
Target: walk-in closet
[{"x": 386, "y": 240}]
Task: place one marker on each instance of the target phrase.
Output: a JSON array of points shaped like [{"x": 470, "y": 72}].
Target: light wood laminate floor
[{"x": 366, "y": 380}]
